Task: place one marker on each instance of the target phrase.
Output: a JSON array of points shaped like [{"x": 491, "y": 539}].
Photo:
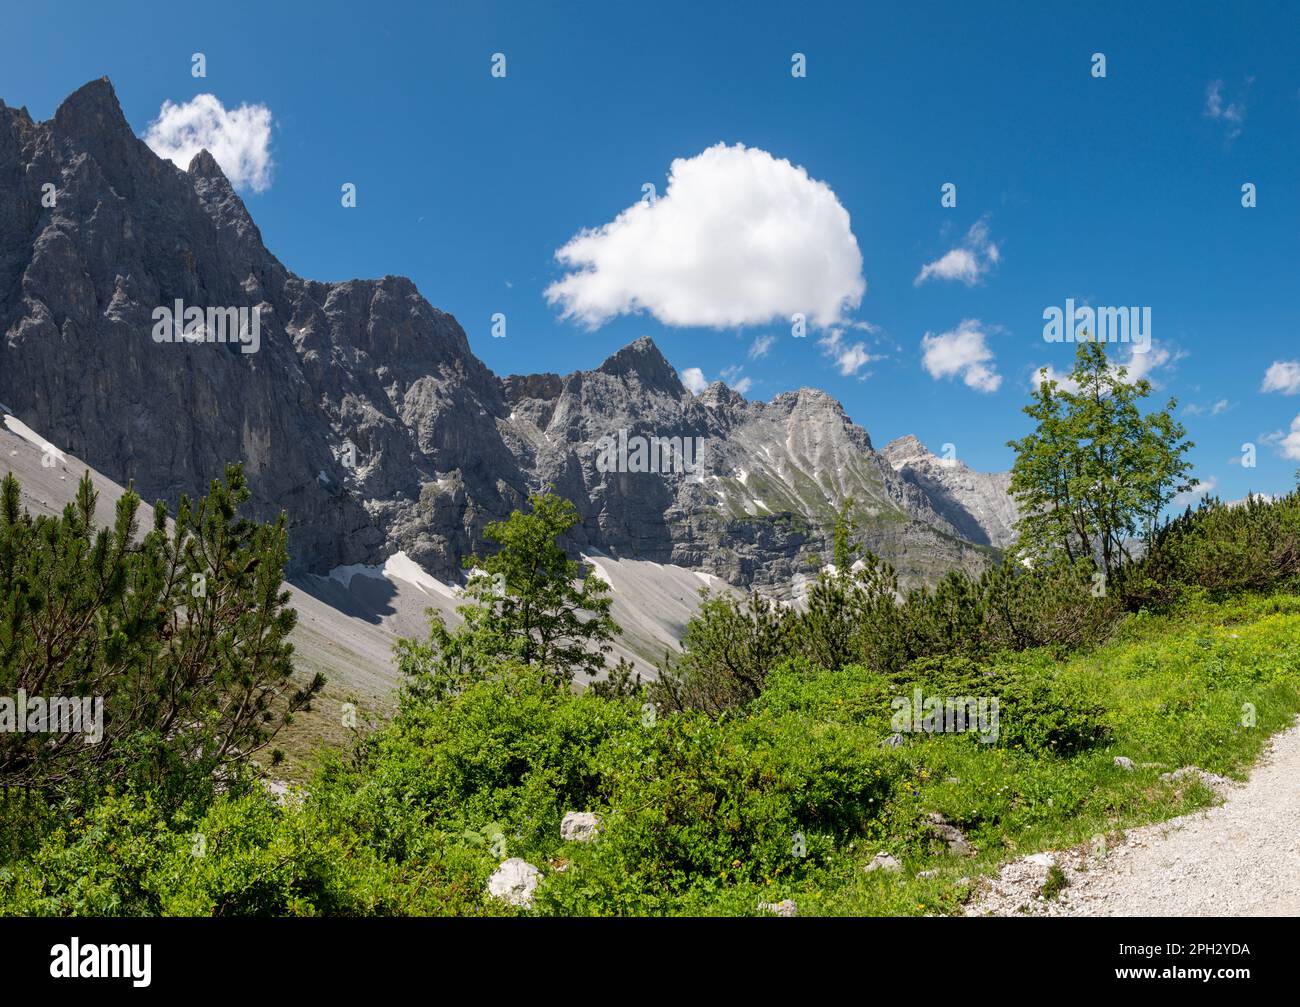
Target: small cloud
[
  {"x": 1232, "y": 113},
  {"x": 732, "y": 376},
  {"x": 1049, "y": 373},
  {"x": 849, "y": 357},
  {"x": 1219, "y": 407},
  {"x": 694, "y": 380},
  {"x": 761, "y": 347},
  {"x": 967, "y": 263},
  {"x": 962, "y": 352},
  {"x": 1282, "y": 376},
  {"x": 1200, "y": 489},
  {"x": 239, "y": 138},
  {"x": 1287, "y": 444},
  {"x": 1257, "y": 497},
  {"x": 1136, "y": 367}
]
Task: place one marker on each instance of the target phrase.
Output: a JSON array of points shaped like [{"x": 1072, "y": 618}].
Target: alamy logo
[
  {"x": 649, "y": 454},
  {"x": 1098, "y": 325},
  {"x": 75, "y": 960},
  {"x": 24, "y": 714},
  {"x": 946, "y": 715},
  {"x": 177, "y": 323}
]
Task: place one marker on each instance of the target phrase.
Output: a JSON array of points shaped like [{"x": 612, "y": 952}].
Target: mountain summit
[{"x": 364, "y": 414}]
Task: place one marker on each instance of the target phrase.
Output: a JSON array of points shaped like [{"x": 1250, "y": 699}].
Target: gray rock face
[
  {"x": 976, "y": 504},
  {"x": 365, "y": 362},
  {"x": 767, "y": 478},
  {"x": 365, "y": 416}
]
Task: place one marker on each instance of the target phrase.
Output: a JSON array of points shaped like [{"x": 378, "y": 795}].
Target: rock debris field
[{"x": 1239, "y": 858}]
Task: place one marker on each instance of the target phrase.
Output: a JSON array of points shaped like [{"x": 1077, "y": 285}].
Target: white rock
[
  {"x": 579, "y": 826},
  {"x": 514, "y": 881},
  {"x": 883, "y": 862},
  {"x": 1124, "y": 762},
  {"x": 785, "y": 907},
  {"x": 1041, "y": 860}
]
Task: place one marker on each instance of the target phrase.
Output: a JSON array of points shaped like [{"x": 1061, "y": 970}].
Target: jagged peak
[
  {"x": 907, "y": 447},
  {"x": 908, "y": 450},
  {"x": 719, "y": 392},
  {"x": 643, "y": 360},
  {"x": 94, "y": 105},
  {"x": 204, "y": 165}
]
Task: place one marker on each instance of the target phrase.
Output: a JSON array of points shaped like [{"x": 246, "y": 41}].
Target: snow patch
[
  {"x": 598, "y": 570},
  {"x": 21, "y": 429},
  {"x": 398, "y": 566}
]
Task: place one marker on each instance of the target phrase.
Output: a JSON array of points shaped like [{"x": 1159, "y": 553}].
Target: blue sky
[{"x": 1122, "y": 190}]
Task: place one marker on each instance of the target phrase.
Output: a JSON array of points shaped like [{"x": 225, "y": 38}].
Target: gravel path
[{"x": 1239, "y": 858}]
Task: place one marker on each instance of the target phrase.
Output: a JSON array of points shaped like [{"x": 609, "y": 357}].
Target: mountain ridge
[{"x": 365, "y": 413}]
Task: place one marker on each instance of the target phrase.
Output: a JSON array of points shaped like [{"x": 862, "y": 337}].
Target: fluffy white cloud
[
  {"x": 970, "y": 261},
  {"x": 1282, "y": 376},
  {"x": 694, "y": 380},
  {"x": 239, "y": 138},
  {"x": 1136, "y": 367},
  {"x": 1142, "y": 365},
  {"x": 849, "y": 357},
  {"x": 1219, "y": 407},
  {"x": 1288, "y": 444},
  {"x": 739, "y": 237},
  {"x": 761, "y": 347},
  {"x": 962, "y": 352},
  {"x": 1198, "y": 490}
]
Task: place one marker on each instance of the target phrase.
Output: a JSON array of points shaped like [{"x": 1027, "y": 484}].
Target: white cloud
[
  {"x": 1233, "y": 113},
  {"x": 761, "y": 347},
  {"x": 1049, "y": 373},
  {"x": 970, "y": 261},
  {"x": 1257, "y": 497},
  {"x": 1136, "y": 366},
  {"x": 1197, "y": 491},
  {"x": 1282, "y": 376},
  {"x": 1218, "y": 407},
  {"x": 1141, "y": 365},
  {"x": 849, "y": 357},
  {"x": 739, "y": 237},
  {"x": 732, "y": 376},
  {"x": 239, "y": 138},
  {"x": 1288, "y": 444},
  {"x": 694, "y": 380},
  {"x": 962, "y": 352}
]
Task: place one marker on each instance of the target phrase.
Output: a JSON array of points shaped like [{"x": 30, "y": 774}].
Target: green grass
[
  {"x": 790, "y": 797},
  {"x": 1174, "y": 688}
]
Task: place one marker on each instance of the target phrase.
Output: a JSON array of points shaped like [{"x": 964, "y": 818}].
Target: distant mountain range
[{"x": 364, "y": 414}]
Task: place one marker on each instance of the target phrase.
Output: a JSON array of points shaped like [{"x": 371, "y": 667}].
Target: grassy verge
[{"x": 1178, "y": 690}]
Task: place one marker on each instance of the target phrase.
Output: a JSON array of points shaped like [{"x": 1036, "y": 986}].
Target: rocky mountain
[
  {"x": 977, "y": 504},
  {"x": 363, "y": 412}
]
